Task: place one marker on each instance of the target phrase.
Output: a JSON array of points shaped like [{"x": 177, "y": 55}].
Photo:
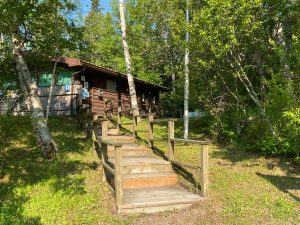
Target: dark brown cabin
[{"x": 109, "y": 89}]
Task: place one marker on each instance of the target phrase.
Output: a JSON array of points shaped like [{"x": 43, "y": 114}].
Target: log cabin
[{"x": 108, "y": 89}]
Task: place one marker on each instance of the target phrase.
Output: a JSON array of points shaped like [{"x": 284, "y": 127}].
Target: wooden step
[
  {"x": 121, "y": 138},
  {"x": 113, "y": 131},
  {"x": 149, "y": 180},
  {"x": 141, "y": 152},
  {"x": 132, "y": 149},
  {"x": 144, "y": 165},
  {"x": 156, "y": 199}
]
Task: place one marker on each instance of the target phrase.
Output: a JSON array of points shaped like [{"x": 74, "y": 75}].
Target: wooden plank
[
  {"x": 119, "y": 175},
  {"x": 142, "y": 161},
  {"x": 109, "y": 169},
  {"x": 159, "y": 139},
  {"x": 104, "y": 130},
  {"x": 204, "y": 170},
  {"x": 150, "y": 131},
  {"x": 191, "y": 141},
  {"x": 134, "y": 126},
  {"x": 167, "y": 195},
  {"x": 129, "y": 123},
  {"x": 171, "y": 135},
  {"x": 163, "y": 120},
  {"x": 111, "y": 142}
]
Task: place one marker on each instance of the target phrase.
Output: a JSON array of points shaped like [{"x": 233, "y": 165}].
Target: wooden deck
[{"x": 147, "y": 184}]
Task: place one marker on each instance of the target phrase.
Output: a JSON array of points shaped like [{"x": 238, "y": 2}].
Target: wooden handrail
[
  {"x": 105, "y": 142},
  {"x": 111, "y": 142},
  {"x": 190, "y": 141},
  {"x": 163, "y": 120},
  {"x": 145, "y": 115},
  {"x": 128, "y": 123},
  {"x": 202, "y": 169}
]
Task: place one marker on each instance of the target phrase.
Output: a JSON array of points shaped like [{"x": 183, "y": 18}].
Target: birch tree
[
  {"x": 30, "y": 92},
  {"x": 131, "y": 84},
  {"x": 30, "y": 25},
  {"x": 186, "y": 77}
]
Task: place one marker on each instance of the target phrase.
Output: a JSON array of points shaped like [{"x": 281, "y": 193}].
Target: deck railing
[
  {"x": 102, "y": 144},
  {"x": 202, "y": 170},
  {"x": 103, "y": 124}
]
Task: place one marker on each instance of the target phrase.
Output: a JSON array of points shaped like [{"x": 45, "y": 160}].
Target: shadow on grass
[
  {"x": 186, "y": 175},
  {"x": 23, "y": 165},
  {"x": 284, "y": 183},
  {"x": 239, "y": 153}
]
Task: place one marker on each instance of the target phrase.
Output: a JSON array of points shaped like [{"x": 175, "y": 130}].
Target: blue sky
[{"x": 86, "y": 5}]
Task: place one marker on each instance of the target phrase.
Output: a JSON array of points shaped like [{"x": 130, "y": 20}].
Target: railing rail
[
  {"x": 117, "y": 171},
  {"x": 202, "y": 169}
]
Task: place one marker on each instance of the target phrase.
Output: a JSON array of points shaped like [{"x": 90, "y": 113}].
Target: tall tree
[
  {"x": 30, "y": 26},
  {"x": 103, "y": 45},
  {"x": 131, "y": 84},
  {"x": 186, "y": 76}
]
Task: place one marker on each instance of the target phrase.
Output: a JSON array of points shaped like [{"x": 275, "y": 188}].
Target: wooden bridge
[{"x": 141, "y": 181}]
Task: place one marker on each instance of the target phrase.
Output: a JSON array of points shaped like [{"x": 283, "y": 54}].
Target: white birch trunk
[
  {"x": 253, "y": 95},
  {"x": 186, "y": 78},
  {"x": 131, "y": 84},
  {"x": 284, "y": 44},
  {"x": 29, "y": 89}
]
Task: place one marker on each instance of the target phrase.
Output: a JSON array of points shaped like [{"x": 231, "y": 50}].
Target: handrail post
[
  {"x": 104, "y": 132},
  {"x": 119, "y": 175},
  {"x": 87, "y": 124},
  {"x": 134, "y": 125},
  {"x": 104, "y": 158},
  {"x": 119, "y": 117},
  {"x": 150, "y": 130},
  {"x": 204, "y": 170},
  {"x": 94, "y": 130},
  {"x": 171, "y": 135}
]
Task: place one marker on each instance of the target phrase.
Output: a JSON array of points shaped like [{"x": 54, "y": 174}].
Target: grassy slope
[{"x": 245, "y": 187}]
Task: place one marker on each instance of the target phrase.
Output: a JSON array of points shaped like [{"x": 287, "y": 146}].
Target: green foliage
[
  {"x": 68, "y": 190},
  {"x": 258, "y": 39}
]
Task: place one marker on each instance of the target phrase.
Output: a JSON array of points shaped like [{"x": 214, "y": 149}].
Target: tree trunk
[
  {"x": 29, "y": 88},
  {"x": 54, "y": 68},
  {"x": 51, "y": 90},
  {"x": 253, "y": 95},
  {"x": 283, "y": 40},
  {"x": 186, "y": 76},
  {"x": 131, "y": 84}
]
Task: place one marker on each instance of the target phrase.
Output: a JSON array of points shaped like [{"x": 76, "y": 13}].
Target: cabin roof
[{"x": 75, "y": 62}]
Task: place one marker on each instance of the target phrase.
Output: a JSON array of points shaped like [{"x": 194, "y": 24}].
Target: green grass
[{"x": 245, "y": 187}]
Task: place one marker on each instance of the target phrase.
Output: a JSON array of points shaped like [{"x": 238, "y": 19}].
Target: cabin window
[
  {"x": 64, "y": 78},
  {"x": 111, "y": 85},
  {"x": 45, "y": 79}
]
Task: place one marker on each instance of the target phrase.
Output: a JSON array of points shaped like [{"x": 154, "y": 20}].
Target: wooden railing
[
  {"x": 203, "y": 167},
  {"x": 103, "y": 123}
]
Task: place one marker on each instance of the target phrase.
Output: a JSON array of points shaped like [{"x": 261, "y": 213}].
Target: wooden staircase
[{"x": 142, "y": 182}]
